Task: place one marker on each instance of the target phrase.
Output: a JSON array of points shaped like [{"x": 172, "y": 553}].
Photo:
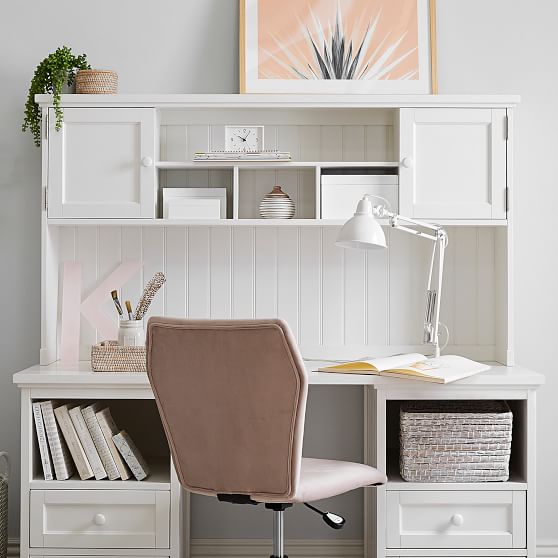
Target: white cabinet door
[
  {"x": 453, "y": 163},
  {"x": 101, "y": 163}
]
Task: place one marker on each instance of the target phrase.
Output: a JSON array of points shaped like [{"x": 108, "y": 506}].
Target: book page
[
  {"x": 445, "y": 369},
  {"x": 374, "y": 365}
]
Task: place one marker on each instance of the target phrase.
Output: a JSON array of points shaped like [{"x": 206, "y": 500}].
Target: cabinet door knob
[
  {"x": 147, "y": 162},
  {"x": 457, "y": 520},
  {"x": 99, "y": 519},
  {"x": 407, "y": 162}
]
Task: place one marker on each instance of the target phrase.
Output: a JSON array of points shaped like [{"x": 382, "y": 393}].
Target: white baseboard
[
  {"x": 547, "y": 548},
  {"x": 233, "y": 548},
  {"x": 229, "y": 548}
]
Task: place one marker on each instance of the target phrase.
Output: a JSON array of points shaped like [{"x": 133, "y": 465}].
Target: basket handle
[{"x": 6, "y": 459}]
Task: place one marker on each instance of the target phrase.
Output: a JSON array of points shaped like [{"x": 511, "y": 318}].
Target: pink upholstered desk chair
[{"x": 232, "y": 399}]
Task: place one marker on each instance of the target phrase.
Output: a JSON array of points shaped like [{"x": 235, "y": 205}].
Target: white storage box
[
  {"x": 342, "y": 192},
  {"x": 194, "y": 203}
]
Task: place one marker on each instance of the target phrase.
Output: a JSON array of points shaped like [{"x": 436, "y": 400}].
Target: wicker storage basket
[
  {"x": 109, "y": 356},
  {"x": 455, "y": 441},
  {"x": 4, "y": 474},
  {"x": 96, "y": 82}
]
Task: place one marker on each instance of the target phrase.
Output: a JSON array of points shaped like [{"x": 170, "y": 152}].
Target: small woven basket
[
  {"x": 109, "y": 356},
  {"x": 4, "y": 475},
  {"x": 96, "y": 82},
  {"x": 455, "y": 441}
]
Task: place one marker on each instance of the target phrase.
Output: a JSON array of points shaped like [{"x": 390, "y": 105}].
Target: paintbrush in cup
[
  {"x": 114, "y": 295},
  {"x": 129, "y": 309}
]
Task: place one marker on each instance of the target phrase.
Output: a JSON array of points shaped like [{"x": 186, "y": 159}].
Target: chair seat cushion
[{"x": 324, "y": 478}]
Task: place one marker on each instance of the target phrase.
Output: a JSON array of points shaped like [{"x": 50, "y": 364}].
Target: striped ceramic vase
[{"x": 277, "y": 205}]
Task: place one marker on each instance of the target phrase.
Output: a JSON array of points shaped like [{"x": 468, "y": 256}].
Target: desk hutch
[{"x": 102, "y": 177}]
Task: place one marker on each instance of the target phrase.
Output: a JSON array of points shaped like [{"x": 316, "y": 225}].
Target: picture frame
[{"x": 331, "y": 47}]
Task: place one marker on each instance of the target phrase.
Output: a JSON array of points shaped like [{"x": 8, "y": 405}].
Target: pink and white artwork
[{"x": 336, "y": 46}]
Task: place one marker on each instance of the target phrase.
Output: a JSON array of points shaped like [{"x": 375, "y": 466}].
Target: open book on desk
[{"x": 441, "y": 370}]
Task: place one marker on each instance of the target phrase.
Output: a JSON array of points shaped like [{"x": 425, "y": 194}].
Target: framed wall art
[{"x": 338, "y": 46}]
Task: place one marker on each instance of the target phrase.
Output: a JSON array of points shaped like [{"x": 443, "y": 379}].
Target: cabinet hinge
[
  {"x": 506, "y": 128},
  {"x": 46, "y": 198}
]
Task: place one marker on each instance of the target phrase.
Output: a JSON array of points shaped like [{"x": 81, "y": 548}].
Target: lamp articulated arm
[{"x": 433, "y": 292}]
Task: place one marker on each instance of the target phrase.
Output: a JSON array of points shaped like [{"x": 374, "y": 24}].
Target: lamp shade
[{"x": 362, "y": 231}]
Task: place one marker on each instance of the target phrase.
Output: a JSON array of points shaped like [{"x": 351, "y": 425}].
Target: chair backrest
[{"x": 232, "y": 399}]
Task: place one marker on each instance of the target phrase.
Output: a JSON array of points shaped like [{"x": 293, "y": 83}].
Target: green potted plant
[{"x": 57, "y": 69}]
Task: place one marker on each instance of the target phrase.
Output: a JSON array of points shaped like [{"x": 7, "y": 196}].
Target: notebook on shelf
[{"x": 442, "y": 370}]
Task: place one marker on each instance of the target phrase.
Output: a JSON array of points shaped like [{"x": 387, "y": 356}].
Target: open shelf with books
[{"x": 90, "y": 444}]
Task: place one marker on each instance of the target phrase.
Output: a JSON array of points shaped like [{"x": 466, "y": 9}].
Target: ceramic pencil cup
[{"x": 131, "y": 333}]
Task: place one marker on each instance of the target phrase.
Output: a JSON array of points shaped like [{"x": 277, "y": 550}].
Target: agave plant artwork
[{"x": 342, "y": 51}]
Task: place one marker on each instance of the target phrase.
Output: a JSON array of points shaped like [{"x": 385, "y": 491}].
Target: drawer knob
[
  {"x": 99, "y": 519},
  {"x": 457, "y": 520},
  {"x": 407, "y": 162},
  {"x": 147, "y": 162}
]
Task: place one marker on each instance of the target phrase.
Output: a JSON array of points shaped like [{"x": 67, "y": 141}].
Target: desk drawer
[
  {"x": 99, "y": 519},
  {"x": 456, "y": 519}
]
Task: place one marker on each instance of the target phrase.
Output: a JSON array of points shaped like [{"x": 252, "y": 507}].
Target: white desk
[{"x": 401, "y": 519}]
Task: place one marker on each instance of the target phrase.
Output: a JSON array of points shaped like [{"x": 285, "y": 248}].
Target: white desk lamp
[{"x": 362, "y": 231}]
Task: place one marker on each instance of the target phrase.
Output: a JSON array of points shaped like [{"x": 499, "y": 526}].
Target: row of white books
[{"x": 84, "y": 437}]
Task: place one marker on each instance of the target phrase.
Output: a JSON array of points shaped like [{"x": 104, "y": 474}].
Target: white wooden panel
[
  {"x": 199, "y": 295},
  {"x": 465, "y": 247},
  {"x": 331, "y": 141},
  {"x": 198, "y": 140},
  {"x": 243, "y": 272},
  {"x": 329, "y": 297},
  {"x": 288, "y": 140},
  {"x": 377, "y": 297},
  {"x": 356, "y": 303},
  {"x": 306, "y": 200},
  {"x": 132, "y": 250},
  {"x": 176, "y": 272},
  {"x": 353, "y": 143},
  {"x": 288, "y": 272},
  {"x": 86, "y": 255},
  {"x": 221, "y": 273},
  {"x": 310, "y": 297},
  {"x": 310, "y": 147},
  {"x": 266, "y": 272},
  {"x": 379, "y": 143},
  {"x": 153, "y": 248},
  {"x": 174, "y": 142},
  {"x": 133, "y": 519},
  {"x": 486, "y": 287},
  {"x": 430, "y": 519},
  {"x": 333, "y": 312}
]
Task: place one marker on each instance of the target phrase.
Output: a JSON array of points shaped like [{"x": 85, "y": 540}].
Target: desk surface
[{"x": 64, "y": 374}]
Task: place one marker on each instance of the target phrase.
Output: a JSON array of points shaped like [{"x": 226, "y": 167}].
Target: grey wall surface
[{"x": 171, "y": 46}]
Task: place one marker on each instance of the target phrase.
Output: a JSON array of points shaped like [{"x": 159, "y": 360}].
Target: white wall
[{"x": 171, "y": 46}]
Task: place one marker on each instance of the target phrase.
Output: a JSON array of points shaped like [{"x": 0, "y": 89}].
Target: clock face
[{"x": 244, "y": 138}]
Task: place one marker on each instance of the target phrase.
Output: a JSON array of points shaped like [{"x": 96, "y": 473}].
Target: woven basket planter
[
  {"x": 4, "y": 474},
  {"x": 109, "y": 356},
  {"x": 96, "y": 82},
  {"x": 455, "y": 441}
]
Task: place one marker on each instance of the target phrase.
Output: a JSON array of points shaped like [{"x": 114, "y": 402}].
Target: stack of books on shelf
[
  {"x": 84, "y": 437},
  {"x": 266, "y": 155}
]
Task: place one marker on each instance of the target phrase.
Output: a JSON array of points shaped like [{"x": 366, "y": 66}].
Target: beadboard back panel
[
  {"x": 310, "y": 135},
  {"x": 337, "y": 302}
]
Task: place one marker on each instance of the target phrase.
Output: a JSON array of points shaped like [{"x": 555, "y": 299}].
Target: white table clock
[{"x": 244, "y": 138}]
